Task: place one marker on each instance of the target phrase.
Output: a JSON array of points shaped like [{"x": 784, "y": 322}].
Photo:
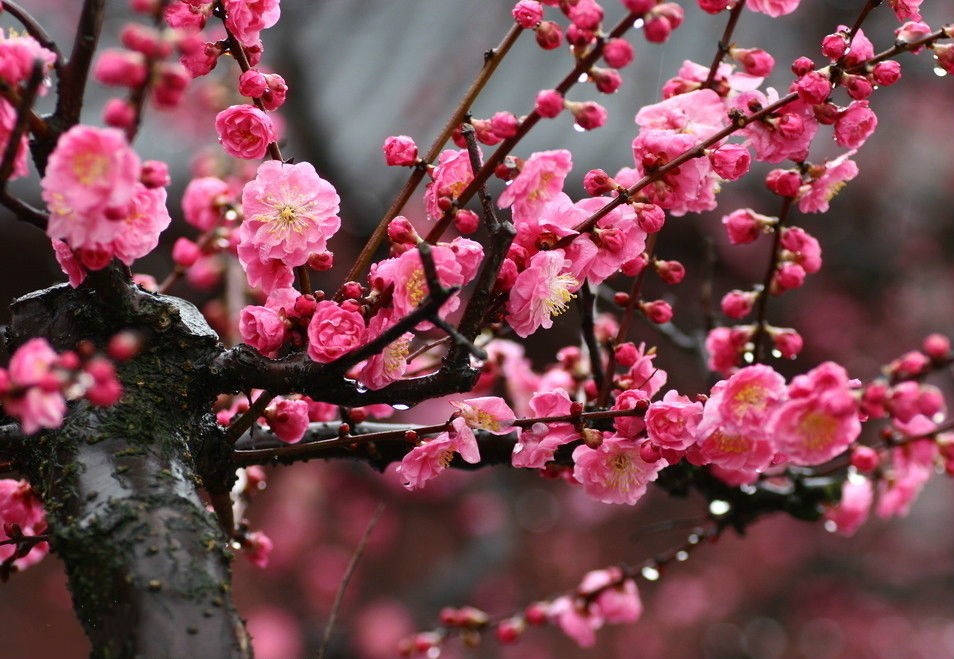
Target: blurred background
[{"x": 360, "y": 70}]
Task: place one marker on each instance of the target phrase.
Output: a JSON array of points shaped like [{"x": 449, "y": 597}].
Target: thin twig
[
  {"x": 339, "y": 596},
  {"x": 724, "y": 44}
]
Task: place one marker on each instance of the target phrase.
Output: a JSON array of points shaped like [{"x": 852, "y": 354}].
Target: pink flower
[
  {"x": 399, "y": 150},
  {"x": 690, "y": 187},
  {"x": 450, "y": 176},
  {"x": 820, "y": 420},
  {"x": 852, "y": 511},
  {"x": 549, "y": 103},
  {"x": 748, "y": 397},
  {"x": 290, "y": 212},
  {"x": 288, "y": 419},
  {"x": 803, "y": 248},
  {"x": 614, "y": 472},
  {"x": 42, "y": 404},
  {"x": 541, "y": 291},
  {"x": 69, "y": 264},
  {"x": 540, "y": 179},
  {"x": 456, "y": 264},
  {"x": 334, "y": 330},
  {"x": 390, "y": 364},
  {"x": 265, "y": 273},
  {"x": 20, "y": 506},
  {"x": 527, "y": 13},
  {"x": 699, "y": 113},
  {"x": 731, "y": 161},
  {"x": 813, "y": 197},
  {"x": 616, "y": 239},
  {"x": 244, "y": 131},
  {"x": 430, "y": 458},
  {"x": 672, "y": 422},
  {"x": 245, "y": 19},
  {"x": 855, "y": 125},
  {"x": 204, "y": 202},
  {"x": 773, "y": 8},
  {"x": 575, "y": 619},
  {"x": 262, "y": 328},
  {"x": 91, "y": 173},
  {"x": 536, "y": 445},
  {"x": 745, "y": 225},
  {"x": 912, "y": 466},
  {"x": 18, "y": 52},
  {"x": 784, "y": 135},
  {"x": 146, "y": 217},
  {"x": 617, "y": 600},
  {"x": 906, "y": 10},
  {"x": 488, "y": 413},
  {"x": 258, "y": 548}
]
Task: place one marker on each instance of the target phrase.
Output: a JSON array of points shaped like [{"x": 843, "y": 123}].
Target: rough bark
[{"x": 148, "y": 566}]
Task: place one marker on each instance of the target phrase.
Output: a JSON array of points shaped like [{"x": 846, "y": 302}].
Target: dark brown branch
[
  {"x": 587, "y": 303},
  {"x": 21, "y": 123},
  {"x": 71, "y": 87},
  {"x": 762, "y": 303},
  {"x": 724, "y": 43}
]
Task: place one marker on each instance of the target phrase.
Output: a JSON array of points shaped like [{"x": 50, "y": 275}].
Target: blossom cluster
[
  {"x": 21, "y": 516},
  {"x": 37, "y": 383}
]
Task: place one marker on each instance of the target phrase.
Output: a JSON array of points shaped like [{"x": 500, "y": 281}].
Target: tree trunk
[{"x": 148, "y": 566}]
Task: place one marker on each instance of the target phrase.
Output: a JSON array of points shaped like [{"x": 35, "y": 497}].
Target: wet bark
[{"x": 148, "y": 566}]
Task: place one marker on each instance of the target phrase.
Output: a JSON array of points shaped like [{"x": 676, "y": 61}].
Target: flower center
[{"x": 559, "y": 294}]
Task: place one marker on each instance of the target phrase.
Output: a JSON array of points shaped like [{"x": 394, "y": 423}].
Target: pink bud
[
  {"x": 401, "y": 231},
  {"x": 120, "y": 68},
  {"x": 626, "y": 354},
  {"x": 597, "y": 182},
  {"x": 527, "y": 13},
  {"x": 321, "y": 261},
  {"x": 886, "y": 73},
  {"x": 504, "y": 124},
  {"x": 585, "y": 14},
  {"x": 649, "y": 452},
  {"x": 738, "y": 304},
  {"x": 252, "y": 83},
  {"x": 834, "y": 46},
  {"x": 671, "y": 272},
  {"x": 639, "y": 6},
  {"x": 657, "y": 30},
  {"x": 509, "y": 630},
  {"x": 578, "y": 37},
  {"x": 466, "y": 221},
  {"x": 274, "y": 97},
  {"x": 549, "y": 35},
  {"x": 145, "y": 40},
  {"x": 170, "y": 84},
  {"x": 124, "y": 346},
  {"x": 155, "y": 174},
  {"x": 632, "y": 268},
  {"x": 618, "y": 53},
  {"x": 713, "y": 6},
  {"x": 118, "y": 113},
  {"x": 649, "y": 217},
  {"x": 784, "y": 182},
  {"x": 657, "y": 311},
  {"x": 731, "y": 161},
  {"x": 399, "y": 151},
  {"x": 937, "y": 347},
  {"x": 813, "y": 87},
  {"x": 606, "y": 80},
  {"x": 549, "y": 103},
  {"x": 801, "y": 66},
  {"x": 588, "y": 115},
  {"x": 185, "y": 252},
  {"x": 865, "y": 459},
  {"x": 787, "y": 277},
  {"x": 788, "y": 342},
  {"x": 755, "y": 61},
  {"x": 912, "y": 31},
  {"x": 858, "y": 87}
]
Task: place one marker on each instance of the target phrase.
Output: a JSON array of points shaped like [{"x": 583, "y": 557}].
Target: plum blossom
[
  {"x": 540, "y": 179},
  {"x": 41, "y": 404},
  {"x": 614, "y": 472},
  {"x": 691, "y": 187},
  {"x": 855, "y": 125},
  {"x": 672, "y": 422},
  {"x": 290, "y": 213},
  {"x": 334, "y": 330},
  {"x": 813, "y": 197},
  {"x": 288, "y": 419},
  {"x": 820, "y": 418},
  {"x": 450, "y": 176},
  {"x": 245, "y": 19},
  {"x": 390, "y": 364},
  {"x": 698, "y": 113},
  {"x": 577, "y": 620},
  {"x": 245, "y": 131},
  {"x": 433, "y": 456},
  {"x": 490, "y": 413},
  {"x": 786, "y": 134},
  {"x": 617, "y": 598},
  {"x": 536, "y": 445},
  {"x": 773, "y": 8},
  {"x": 911, "y": 467},
  {"x": 540, "y": 292},
  {"x": 852, "y": 511},
  {"x": 20, "y": 506},
  {"x": 616, "y": 239}
]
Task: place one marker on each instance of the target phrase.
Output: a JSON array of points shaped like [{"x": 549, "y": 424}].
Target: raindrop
[
  {"x": 650, "y": 573},
  {"x": 694, "y": 539},
  {"x": 748, "y": 488},
  {"x": 638, "y": 23},
  {"x": 719, "y": 507},
  {"x": 578, "y": 128},
  {"x": 776, "y": 353},
  {"x": 682, "y": 555},
  {"x": 830, "y": 526},
  {"x": 939, "y": 72},
  {"x": 360, "y": 388},
  {"x": 583, "y": 78},
  {"x": 401, "y": 406},
  {"x": 748, "y": 357}
]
